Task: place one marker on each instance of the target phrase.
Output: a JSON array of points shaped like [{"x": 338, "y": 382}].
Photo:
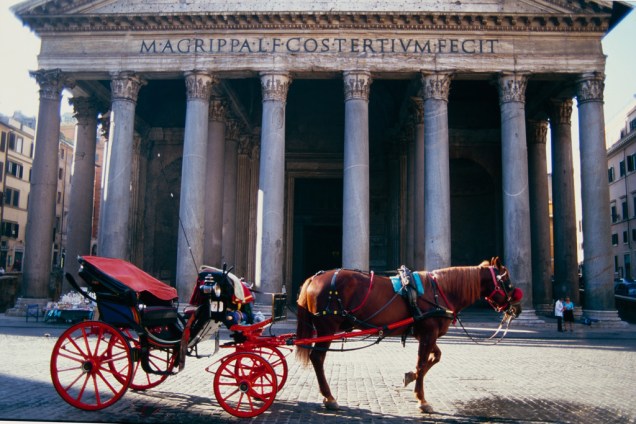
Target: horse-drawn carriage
[{"x": 143, "y": 336}]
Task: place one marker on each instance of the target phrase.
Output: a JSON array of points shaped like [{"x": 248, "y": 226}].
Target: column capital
[
  {"x": 537, "y": 131},
  {"x": 217, "y": 111},
  {"x": 199, "y": 85},
  {"x": 436, "y": 85},
  {"x": 275, "y": 86},
  {"x": 512, "y": 87},
  {"x": 84, "y": 108},
  {"x": 51, "y": 82},
  {"x": 589, "y": 87},
  {"x": 561, "y": 111},
  {"x": 125, "y": 86},
  {"x": 357, "y": 85},
  {"x": 232, "y": 129}
]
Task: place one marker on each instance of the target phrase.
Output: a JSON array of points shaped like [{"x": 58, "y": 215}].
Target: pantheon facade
[{"x": 287, "y": 136}]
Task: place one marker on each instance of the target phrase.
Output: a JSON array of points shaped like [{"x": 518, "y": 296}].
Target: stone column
[
  {"x": 539, "y": 217},
  {"x": 409, "y": 253},
  {"x": 356, "y": 195},
  {"x": 566, "y": 278},
  {"x": 270, "y": 218},
  {"x": 419, "y": 260},
  {"x": 437, "y": 216},
  {"x": 244, "y": 194},
  {"x": 214, "y": 187},
  {"x": 82, "y": 185},
  {"x": 516, "y": 201},
  {"x": 41, "y": 205},
  {"x": 228, "y": 250},
  {"x": 193, "y": 181},
  {"x": 113, "y": 238},
  {"x": 597, "y": 266}
]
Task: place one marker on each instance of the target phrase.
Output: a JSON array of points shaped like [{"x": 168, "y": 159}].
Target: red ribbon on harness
[{"x": 365, "y": 297}]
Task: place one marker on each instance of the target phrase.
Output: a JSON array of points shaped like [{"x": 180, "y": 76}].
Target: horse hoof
[
  {"x": 331, "y": 405},
  {"x": 426, "y": 408},
  {"x": 409, "y": 377}
]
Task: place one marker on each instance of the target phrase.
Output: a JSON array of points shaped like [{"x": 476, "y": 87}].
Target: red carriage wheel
[
  {"x": 159, "y": 358},
  {"x": 91, "y": 365},
  {"x": 245, "y": 384},
  {"x": 275, "y": 358}
]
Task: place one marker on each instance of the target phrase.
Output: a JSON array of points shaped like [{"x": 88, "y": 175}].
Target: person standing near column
[{"x": 558, "y": 313}]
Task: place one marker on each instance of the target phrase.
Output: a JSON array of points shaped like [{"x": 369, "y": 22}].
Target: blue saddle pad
[{"x": 397, "y": 283}]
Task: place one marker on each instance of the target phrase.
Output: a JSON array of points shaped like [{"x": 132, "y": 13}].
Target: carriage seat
[{"x": 155, "y": 316}]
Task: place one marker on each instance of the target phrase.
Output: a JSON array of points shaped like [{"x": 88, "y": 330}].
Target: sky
[{"x": 19, "y": 48}]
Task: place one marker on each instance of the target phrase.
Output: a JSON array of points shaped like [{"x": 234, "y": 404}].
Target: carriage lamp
[{"x": 217, "y": 290}]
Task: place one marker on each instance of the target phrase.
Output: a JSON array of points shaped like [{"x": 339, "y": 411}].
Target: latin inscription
[{"x": 308, "y": 45}]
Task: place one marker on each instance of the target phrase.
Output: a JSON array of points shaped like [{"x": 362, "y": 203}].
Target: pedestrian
[
  {"x": 568, "y": 314},
  {"x": 558, "y": 313}
]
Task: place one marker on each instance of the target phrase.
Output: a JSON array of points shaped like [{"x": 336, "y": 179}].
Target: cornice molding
[{"x": 403, "y": 21}]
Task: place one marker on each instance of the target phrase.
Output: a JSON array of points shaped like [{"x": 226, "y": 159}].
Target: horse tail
[{"x": 304, "y": 324}]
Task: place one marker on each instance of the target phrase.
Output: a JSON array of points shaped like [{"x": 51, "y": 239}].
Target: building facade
[
  {"x": 621, "y": 174},
  {"x": 287, "y": 137},
  {"x": 16, "y": 160}
]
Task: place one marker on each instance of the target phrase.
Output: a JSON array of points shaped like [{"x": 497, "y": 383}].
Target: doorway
[{"x": 317, "y": 229}]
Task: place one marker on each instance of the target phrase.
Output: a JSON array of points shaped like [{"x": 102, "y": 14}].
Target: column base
[
  {"x": 528, "y": 317},
  {"x": 606, "y": 319},
  {"x": 543, "y": 309}
]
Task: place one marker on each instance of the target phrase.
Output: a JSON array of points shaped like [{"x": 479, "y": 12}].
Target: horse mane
[{"x": 462, "y": 281}]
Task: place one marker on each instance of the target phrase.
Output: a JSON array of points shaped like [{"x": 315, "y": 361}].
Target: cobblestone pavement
[{"x": 535, "y": 375}]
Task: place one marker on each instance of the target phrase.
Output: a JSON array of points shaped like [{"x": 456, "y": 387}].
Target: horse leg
[
  {"x": 428, "y": 355},
  {"x": 317, "y": 358}
]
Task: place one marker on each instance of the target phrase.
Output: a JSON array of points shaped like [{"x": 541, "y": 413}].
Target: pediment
[
  {"x": 169, "y": 7},
  {"x": 491, "y": 15}
]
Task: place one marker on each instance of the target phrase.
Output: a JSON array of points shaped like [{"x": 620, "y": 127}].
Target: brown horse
[{"x": 341, "y": 300}]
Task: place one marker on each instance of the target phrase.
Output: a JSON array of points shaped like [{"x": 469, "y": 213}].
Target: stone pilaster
[
  {"x": 539, "y": 217},
  {"x": 215, "y": 195},
  {"x": 193, "y": 183},
  {"x": 114, "y": 222},
  {"x": 356, "y": 195},
  {"x": 41, "y": 205},
  {"x": 244, "y": 194},
  {"x": 437, "y": 220},
  {"x": 516, "y": 200},
  {"x": 597, "y": 265},
  {"x": 232, "y": 132},
  {"x": 271, "y": 186},
  {"x": 566, "y": 280},
  {"x": 418, "y": 188},
  {"x": 82, "y": 185}
]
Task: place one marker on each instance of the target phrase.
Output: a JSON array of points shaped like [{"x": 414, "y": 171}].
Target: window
[
  {"x": 3, "y": 142},
  {"x": 632, "y": 125},
  {"x": 614, "y": 214},
  {"x": 59, "y": 197},
  {"x": 624, "y": 211},
  {"x": 12, "y": 197},
  {"x": 633, "y": 234},
  {"x": 610, "y": 174},
  {"x": 614, "y": 239},
  {"x": 60, "y": 174},
  {"x": 625, "y": 239},
  {"x": 15, "y": 169},
  {"x": 631, "y": 163},
  {"x": 621, "y": 167},
  {"x": 10, "y": 229}
]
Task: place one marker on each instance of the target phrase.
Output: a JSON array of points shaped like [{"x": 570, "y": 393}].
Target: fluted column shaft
[
  {"x": 598, "y": 268},
  {"x": 271, "y": 186},
  {"x": 516, "y": 203},
  {"x": 539, "y": 216},
  {"x": 82, "y": 185},
  {"x": 214, "y": 183},
  {"x": 566, "y": 281},
  {"x": 356, "y": 195},
  {"x": 437, "y": 215},
  {"x": 41, "y": 206},
  {"x": 193, "y": 181},
  {"x": 114, "y": 228},
  {"x": 229, "y": 193}
]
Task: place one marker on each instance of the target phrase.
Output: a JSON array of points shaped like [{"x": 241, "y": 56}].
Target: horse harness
[{"x": 408, "y": 292}]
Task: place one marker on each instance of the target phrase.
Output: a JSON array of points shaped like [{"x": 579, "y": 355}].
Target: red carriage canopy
[{"x": 132, "y": 277}]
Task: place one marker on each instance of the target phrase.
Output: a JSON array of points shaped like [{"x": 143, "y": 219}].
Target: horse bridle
[{"x": 500, "y": 288}]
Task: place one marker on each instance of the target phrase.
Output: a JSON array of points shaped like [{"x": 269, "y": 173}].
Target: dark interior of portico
[{"x": 314, "y": 153}]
